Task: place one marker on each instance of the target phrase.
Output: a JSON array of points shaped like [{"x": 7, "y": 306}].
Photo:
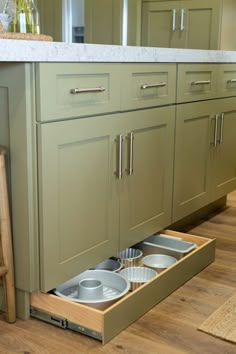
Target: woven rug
[{"x": 222, "y": 322}]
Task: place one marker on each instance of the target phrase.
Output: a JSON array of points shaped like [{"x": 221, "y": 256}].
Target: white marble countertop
[{"x": 34, "y": 51}]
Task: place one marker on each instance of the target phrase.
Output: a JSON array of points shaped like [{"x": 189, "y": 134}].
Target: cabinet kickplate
[
  {"x": 84, "y": 330},
  {"x": 46, "y": 317}
]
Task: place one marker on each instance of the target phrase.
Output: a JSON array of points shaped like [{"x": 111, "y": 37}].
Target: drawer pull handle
[
  {"x": 221, "y": 141},
  {"x": 231, "y": 81},
  {"x": 75, "y": 91},
  {"x": 130, "y": 169},
  {"x": 147, "y": 86},
  {"x": 119, "y": 156},
  {"x": 201, "y": 82},
  {"x": 216, "y": 130},
  {"x": 182, "y": 21},
  {"x": 173, "y": 20}
]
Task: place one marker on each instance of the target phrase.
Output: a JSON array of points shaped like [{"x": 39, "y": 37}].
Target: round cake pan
[
  {"x": 137, "y": 275},
  {"x": 158, "y": 261},
  {"x": 114, "y": 286},
  {"x": 109, "y": 264},
  {"x": 130, "y": 257}
]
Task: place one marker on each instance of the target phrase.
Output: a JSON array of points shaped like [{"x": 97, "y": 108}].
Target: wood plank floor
[{"x": 170, "y": 327}]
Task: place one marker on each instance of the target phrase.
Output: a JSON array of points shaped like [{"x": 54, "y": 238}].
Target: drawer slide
[{"x": 63, "y": 323}]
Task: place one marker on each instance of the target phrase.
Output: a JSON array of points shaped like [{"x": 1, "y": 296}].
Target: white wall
[
  {"x": 2, "y": 2},
  {"x": 77, "y": 13}
]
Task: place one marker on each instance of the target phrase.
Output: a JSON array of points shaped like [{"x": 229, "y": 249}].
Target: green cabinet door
[
  {"x": 200, "y": 23},
  {"x": 191, "y": 24},
  {"x": 146, "y": 186},
  {"x": 78, "y": 199},
  {"x": 224, "y": 153},
  {"x": 193, "y": 145},
  {"x": 160, "y": 24}
]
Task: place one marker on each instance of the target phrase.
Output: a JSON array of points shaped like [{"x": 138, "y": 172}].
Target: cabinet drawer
[
  {"x": 196, "y": 82},
  {"x": 147, "y": 85},
  {"x": 105, "y": 324},
  {"x": 71, "y": 90},
  {"x": 227, "y": 80}
]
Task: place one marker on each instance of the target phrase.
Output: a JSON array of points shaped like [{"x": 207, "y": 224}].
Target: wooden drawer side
[
  {"x": 132, "y": 307},
  {"x": 105, "y": 324}
]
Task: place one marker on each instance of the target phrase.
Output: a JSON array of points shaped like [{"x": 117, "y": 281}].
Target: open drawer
[{"x": 105, "y": 324}]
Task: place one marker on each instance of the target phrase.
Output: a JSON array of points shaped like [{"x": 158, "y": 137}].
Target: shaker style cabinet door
[
  {"x": 78, "y": 202},
  {"x": 146, "y": 185},
  {"x": 192, "y": 168},
  {"x": 191, "y": 24},
  {"x": 224, "y": 179}
]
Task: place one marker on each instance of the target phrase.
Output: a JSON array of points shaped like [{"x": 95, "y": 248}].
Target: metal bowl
[
  {"x": 109, "y": 264},
  {"x": 137, "y": 275},
  {"x": 130, "y": 257},
  {"x": 158, "y": 261},
  {"x": 114, "y": 286}
]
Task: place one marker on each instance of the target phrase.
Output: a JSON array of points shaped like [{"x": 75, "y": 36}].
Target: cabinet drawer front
[
  {"x": 147, "y": 85},
  {"x": 73, "y": 90},
  {"x": 196, "y": 82},
  {"x": 227, "y": 80},
  {"x": 105, "y": 324}
]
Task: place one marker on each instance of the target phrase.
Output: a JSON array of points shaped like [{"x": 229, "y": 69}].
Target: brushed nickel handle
[
  {"x": 119, "y": 157},
  {"x": 147, "y": 86},
  {"x": 182, "y": 20},
  {"x": 231, "y": 81},
  {"x": 75, "y": 91},
  {"x": 221, "y": 141},
  {"x": 173, "y": 20},
  {"x": 216, "y": 130},
  {"x": 130, "y": 169},
  {"x": 201, "y": 82}
]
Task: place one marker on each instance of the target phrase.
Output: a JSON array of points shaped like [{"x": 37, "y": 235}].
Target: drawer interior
[{"x": 105, "y": 323}]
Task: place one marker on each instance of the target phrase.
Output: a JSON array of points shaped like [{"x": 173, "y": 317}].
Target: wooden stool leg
[{"x": 6, "y": 244}]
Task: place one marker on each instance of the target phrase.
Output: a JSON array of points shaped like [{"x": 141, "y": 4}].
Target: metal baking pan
[{"x": 165, "y": 244}]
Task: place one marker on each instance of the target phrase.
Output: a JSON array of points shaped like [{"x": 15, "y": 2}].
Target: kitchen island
[{"x": 108, "y": 145}]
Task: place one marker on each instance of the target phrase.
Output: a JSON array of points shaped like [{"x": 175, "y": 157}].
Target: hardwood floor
[{"x": 170, "y": 327}]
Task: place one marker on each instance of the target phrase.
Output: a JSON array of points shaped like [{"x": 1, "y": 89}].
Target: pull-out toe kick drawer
[{"x": 106, "y": 323}]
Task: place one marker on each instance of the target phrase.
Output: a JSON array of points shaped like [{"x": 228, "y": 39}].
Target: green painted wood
[
  {"x": 192, "y": 167},
  {"x": 188, "y": 74},
  {"x": 225, "y": 153},
  {"x": 51, "y": 18},
  {"x": 137, "y": 75},
  {"x": 201, "y": 30},
  {"x": 145, "y": 196},
  {"x": 19, "y": 115},
  {"x": 54, "y": 82},
  {"x": 226, "y": 73},
  {"x": 78, "y": 197},
  {"x": 103, "y": 21}
]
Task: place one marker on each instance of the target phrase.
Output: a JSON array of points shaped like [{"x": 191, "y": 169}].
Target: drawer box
[
  {"x": 196, "y": 82},
  {"x": 227, "y": 80},
  {"x": 67, "y": 90},
  {"x": 106, "y": 324},
  {"x": 148, "y": 85}
]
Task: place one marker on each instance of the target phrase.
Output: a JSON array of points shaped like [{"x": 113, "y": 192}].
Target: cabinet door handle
[
  {"x": 119, "y": 157},
  {"x": 221, "y": 141},
  {"x": 147, "y": 86},
  {"x": 173, "y": 20},
  {"x": 130, "y": 168},
  {"x": 216, "y": 130},
  {"x": 201, "y": 82},
  {"x": 182, "y": 20},
  {"x": 76, "y": 91},
  {"x": 231, "y": 81}
]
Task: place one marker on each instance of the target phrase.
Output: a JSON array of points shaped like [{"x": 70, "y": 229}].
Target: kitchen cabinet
[
  {"x": 78, "y": 197},
  {"x": 194, "y": 24},
  {"x": 205, "y": 162},
  {"x": 145, "y": 188}
]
